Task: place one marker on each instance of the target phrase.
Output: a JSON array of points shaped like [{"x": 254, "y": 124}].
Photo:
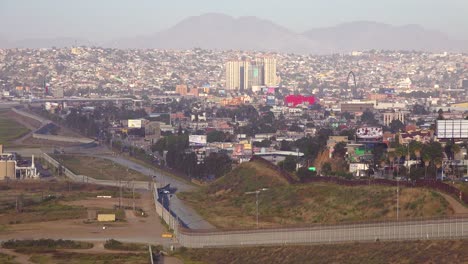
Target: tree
[
  {"x": 218, "y": 164},
  {"x": 350, "y": 133},
  {"x": 434, "y": 149},
  {"x": 216, "y": 136},
  {"x": 347, "y": 116},
  {"x": 396, "y": 126},
  {"x": 427, "y": 160},
  {"x": 419, "y": 110},
  {"x": 288, "y": 164},
  {"x": 368, "y": 117},
  {"x": 438, "y": 163},
  {"x": 441, "y": 114},
  {"x": 400, "y": 151},
  {"x": 416, "y": 147},
  {"x": 455, "y": 150},
  {"x": 285, "y": 146},
  {"x": 339, "y": 150},
  {"x": 262, "y": 144},
  {"x": 326, "y": 168},
  {"x": 304, "y": 173}
]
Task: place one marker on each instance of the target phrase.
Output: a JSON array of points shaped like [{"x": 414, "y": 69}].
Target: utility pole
[
  {"x": 133, "y": 194},
  {"x": 120, "y": 192},
  {"x": 257, "y": 192},
  {"x": 398, "y": 199}
]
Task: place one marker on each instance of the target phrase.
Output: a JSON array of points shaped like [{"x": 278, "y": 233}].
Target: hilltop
[
  {"x": 226, "y": 205},
  {"x": 250, "y": 176}
]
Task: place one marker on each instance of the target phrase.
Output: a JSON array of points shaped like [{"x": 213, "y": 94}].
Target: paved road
[
  {"x": 435, "y": 229},
  {"x": 188, "y": 215}
]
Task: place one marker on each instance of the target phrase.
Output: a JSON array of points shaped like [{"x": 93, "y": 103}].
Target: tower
[
  {"x": 269, "y": 66},
  {"x": 237, "y": 75}
]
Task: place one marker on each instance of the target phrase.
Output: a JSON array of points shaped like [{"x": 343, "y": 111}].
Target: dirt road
[
  {"x": 136, "y": 229},
  {"x": 457, "y": 207}
]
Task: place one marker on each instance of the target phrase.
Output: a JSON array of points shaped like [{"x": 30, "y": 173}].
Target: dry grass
[
  {"x": 83, "y": 258},
  {"x": 10, "y": 129},
  {"x": 7, "y": 259},
  {"x": 97, "y": 168},
  {"x": 227, "y": 206},
  {"x": 47, "y": 201},
  {"x": 391, "y": 252}
]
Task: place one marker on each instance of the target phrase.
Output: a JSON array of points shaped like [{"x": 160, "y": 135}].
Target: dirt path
[
  {"x": 20, "y": 258},
  {"x": 458, "y": 208},
  {"x": 136, "y": 229}
]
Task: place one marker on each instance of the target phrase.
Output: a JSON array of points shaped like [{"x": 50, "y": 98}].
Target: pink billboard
[{"x": 294, "y": 100}]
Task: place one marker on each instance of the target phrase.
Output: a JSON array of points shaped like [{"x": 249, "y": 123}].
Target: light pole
[
  {"x": 408, "y": 159},
  {"x": 257, "y": 192},
  {"x": 398, "y": 200}
]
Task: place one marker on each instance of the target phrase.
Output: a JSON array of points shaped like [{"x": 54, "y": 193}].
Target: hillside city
[
  {"x": 233, "y": 115},
  {"x": 175, "y": 151}
]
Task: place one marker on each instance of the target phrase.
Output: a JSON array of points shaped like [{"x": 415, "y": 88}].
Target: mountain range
[{"x": 223, "y": 32}]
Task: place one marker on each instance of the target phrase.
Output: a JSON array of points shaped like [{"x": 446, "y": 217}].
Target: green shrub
[{"x": 113, "y": 244}]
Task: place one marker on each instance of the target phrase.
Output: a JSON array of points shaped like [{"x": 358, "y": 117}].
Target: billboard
[
  {"x": 238, "y": 150},
  {"x": 294, "y": 100},
  {"x": 197, "y": 140},
  {"x": 369, "y": 132},
  {"x": 448, "y": 129},
  {"x": 134, "y": 123},
  {"x": 242, "y": 150}
]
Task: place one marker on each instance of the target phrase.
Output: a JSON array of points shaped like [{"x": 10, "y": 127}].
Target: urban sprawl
[{"x": 199, "y": 112}]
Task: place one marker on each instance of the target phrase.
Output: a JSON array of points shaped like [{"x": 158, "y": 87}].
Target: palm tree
[
  {"x": 455, "y": 150},
  {"x": 400, "y": 152},
  {"x": 416, "y": 147},
  {"x": 438, "y": 164},
  {"x": 391, "y": 157},
  {"x": 427, "y": 160}
]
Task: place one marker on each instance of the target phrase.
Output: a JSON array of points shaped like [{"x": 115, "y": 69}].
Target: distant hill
[
  {"x": 366, "y": 35},
  {"x": 223, "y": 32},
  {"x": 218, "y": 31},
  {"x": 35, "y": 43}
]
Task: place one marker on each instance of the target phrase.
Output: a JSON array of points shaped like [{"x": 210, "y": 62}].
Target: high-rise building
[
  {"x": 237, "y": 75},
  {"x": 256, "y": 74},
  {"x": 241, "y": 75},
  {"x": 269, "y": 65}
]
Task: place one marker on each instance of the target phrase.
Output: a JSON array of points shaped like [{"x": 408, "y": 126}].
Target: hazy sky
[{"x": 100, "y": 20}]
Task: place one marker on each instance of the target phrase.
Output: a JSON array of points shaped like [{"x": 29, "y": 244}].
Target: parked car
[{"x": 464, "y": 179}]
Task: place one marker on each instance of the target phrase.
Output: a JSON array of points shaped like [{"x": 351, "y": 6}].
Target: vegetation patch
[
  {"x": 113, "y": 244},
  {"x": 226, "y": 204},
  {"x": 98, "y": 168},
  {"x": 7, "y": 259},
  {"x": 380, "y": 252},
  {"x": 33, "y": 201},
  {"x": 44, "y": 245},
  {"x": 10, "y": 129},
  {"x": 82, "y": 258}
]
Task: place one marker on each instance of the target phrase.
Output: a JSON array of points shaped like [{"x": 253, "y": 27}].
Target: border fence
[
  {"x": 405, "y": 229},
  {"x": 416, "y": 229}
]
